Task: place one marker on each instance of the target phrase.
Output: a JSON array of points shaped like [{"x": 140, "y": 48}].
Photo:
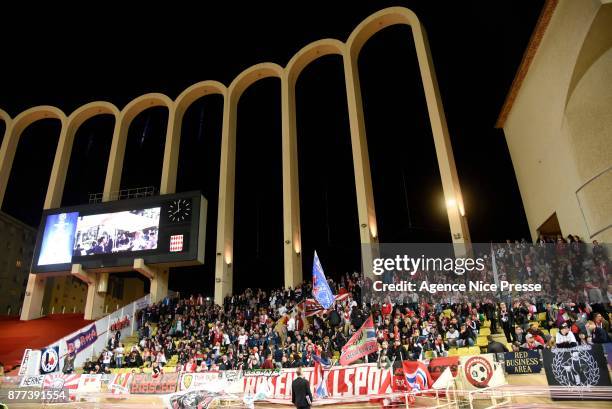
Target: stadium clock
[{"x": 179, "y": 210}]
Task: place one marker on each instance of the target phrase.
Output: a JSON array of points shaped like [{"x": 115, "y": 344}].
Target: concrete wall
[
  {"x": 17, "y": 242},
  {"x": 68, "y": 294},
  {"x": 559, "y": 129}
]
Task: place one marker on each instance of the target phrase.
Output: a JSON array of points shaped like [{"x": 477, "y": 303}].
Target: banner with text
[{"x": 524, "y": 362}]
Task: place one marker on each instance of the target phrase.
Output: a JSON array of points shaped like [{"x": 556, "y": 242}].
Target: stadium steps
[{"x": 17, "y": 335}]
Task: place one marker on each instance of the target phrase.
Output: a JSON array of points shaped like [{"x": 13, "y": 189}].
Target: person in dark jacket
[
  {"x": 495, "y": 347},
  {"x": 507, "y": 322},
  {"x": 301, "y": 396}
]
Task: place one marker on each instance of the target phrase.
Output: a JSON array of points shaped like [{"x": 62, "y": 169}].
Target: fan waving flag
[
  {"x": 320, "y": 288},
  {"x": 320, "y": 380},
  {"x": 417, "y": 375},
  {"x": 362, "y": 343}
]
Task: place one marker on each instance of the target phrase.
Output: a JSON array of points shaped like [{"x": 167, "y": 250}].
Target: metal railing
[{"x": 124, "y": 194}]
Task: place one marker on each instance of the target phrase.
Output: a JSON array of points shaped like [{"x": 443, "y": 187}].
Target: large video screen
[
  {"x": 111, "y": 235},
  {"x": 58, "y": 239},
  {"x": 132, "y": 230}
]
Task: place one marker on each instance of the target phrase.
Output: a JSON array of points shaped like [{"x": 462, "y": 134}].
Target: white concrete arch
[
  {"x": 175, "y": 123},
  {"x": 61, "y": 162},
  {"x": 444, "y": 151},
  {"x": 12, "y": 135},
  {"x": 251, "y": 75},
  {"x": 310, "y": 53},
  {"x": 5, "y": 117},
  {"x": 225, "y": 216},
  {"x": 122, "y": 125},
  {"x": 291, "y": 191}
]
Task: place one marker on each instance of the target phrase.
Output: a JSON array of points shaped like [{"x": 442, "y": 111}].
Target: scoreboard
[{"x": 165, "y": 229}]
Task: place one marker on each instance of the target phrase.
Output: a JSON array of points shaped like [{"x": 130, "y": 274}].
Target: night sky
[{"x": 476, "y": 47}]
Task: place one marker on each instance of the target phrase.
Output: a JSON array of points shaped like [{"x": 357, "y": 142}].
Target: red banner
[
  {"x": 146, "y": 383},
  {"x": 438, "y": 365},
  {"x": 356, "y": 381},
  {"x": 362, "y": 343}
]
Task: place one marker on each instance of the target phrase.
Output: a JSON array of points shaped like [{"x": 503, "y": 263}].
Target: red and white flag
[{"x": 362, "y": 343}]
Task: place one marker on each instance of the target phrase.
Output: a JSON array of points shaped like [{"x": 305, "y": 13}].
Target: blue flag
[{"x": 320, "y": 289}]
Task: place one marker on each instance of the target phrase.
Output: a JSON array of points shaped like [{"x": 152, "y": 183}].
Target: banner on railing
[
  {"x": 30, "y": 363},
  {"x": 90, "y": 383},
  {"x": 356, "y": 382},
  {"x": 438, "y": 365},
  {"x": 524, "y": 362},
  {"x": 82, "y": 340},
  {"x": 35, "y": 381},
  {"x": 119, "y": 384},
  {"x": 195, "y": 381},
  {"x": 581, "y": 366},
  {"x": 151, "y": 384},
  {"x": 24, "y": 362},
  {"x": 49, "y": 360},
  {"x": 481, "y": 371}
]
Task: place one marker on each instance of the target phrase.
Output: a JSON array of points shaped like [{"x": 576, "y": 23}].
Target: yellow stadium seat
[
  {"x": 486, "y": 324},
  {"x": 553, "y": 332},
  {"x": 482, "y": 341},
  {"x": 509, "y": 346},
  {"x": 147, "y": 370},
  {"x": 544, "y": 331},
  {"x": 485, "y": 331},
  {"x": 475, "y": 350},
  {"x": 464, "y": 351},
  {"x": 453, "y": 352},
  {"x": 542, "y": 317}
]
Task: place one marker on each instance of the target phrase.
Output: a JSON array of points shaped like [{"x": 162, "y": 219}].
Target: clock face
[{"x": 179, "y": 210}]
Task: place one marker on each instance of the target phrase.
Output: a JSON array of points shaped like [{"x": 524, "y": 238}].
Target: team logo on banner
[
  {"x": 119, "y": 383},
  {"x": 478, "y": 371},
  {"x": 49, "y": 360},
  {"x": 60, "y": 381},
  {"x": 186, "y": 381}
]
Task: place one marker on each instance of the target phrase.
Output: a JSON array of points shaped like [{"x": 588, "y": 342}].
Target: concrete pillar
[
  {"x": 159, "y": 285},
  {"x": 103, "y": 282},
  {"x": 158, "y": 277},
  {"x": 444, "y": 150},
  {"x": 368, "y": 229},
  {"x": 171, "y": 150},
  {"x": 225, "y": 221},
  {"x": 115, "y": 159},
  {"x": 291, "y": 195},
  {"x": 35, "y": 291},
  {"x": 94, "y": 303}
]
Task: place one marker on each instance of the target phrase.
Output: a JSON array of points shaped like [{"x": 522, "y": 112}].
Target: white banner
[
  {"x": 481, "y": 371},
  {"x": 32, "y": 381},
  {"x": 195, "y": 381}
]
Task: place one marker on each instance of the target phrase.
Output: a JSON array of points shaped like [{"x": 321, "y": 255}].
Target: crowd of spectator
[{"x": 269, "y": 329}]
